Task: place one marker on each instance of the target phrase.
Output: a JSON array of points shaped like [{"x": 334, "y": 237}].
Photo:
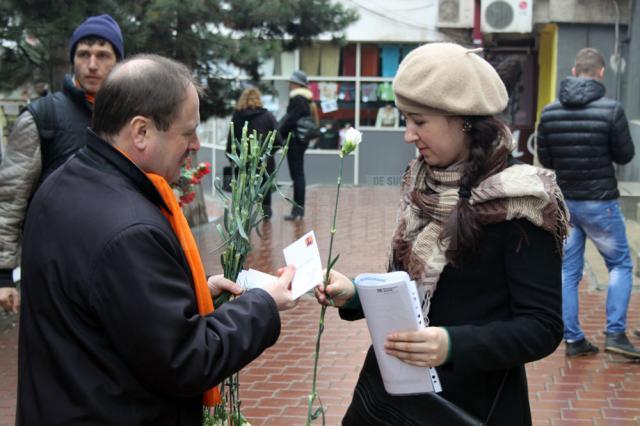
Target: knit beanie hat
[
  {"x": 447, "y": 79},
  {"x": 102, "y": 26}
]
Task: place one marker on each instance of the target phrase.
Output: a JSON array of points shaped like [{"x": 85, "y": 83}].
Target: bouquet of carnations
[
  {"x": 188, "y": 179},
  {"x": 243, "y": 213}
]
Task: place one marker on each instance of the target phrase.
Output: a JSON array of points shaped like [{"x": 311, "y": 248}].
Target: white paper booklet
[{"x": 391, "y": 303}]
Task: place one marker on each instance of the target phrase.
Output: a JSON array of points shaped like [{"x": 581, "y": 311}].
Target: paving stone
[{"x": 603, "y": 389}]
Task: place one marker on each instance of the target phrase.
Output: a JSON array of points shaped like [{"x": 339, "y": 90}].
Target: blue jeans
[{"x": 602, "y": 222}]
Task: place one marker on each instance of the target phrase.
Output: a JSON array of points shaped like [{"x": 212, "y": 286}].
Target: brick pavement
[{"x": 599, "y": 390}]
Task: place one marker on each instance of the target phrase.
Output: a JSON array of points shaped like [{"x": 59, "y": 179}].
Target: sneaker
[
  {"x": 581, "y": 347},
  {"x": 619, "y": 343}
]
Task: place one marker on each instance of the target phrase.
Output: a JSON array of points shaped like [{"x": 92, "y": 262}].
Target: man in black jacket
[
  {"x": 110, "y": 329},
  {"x": 48, "y": 132},
  {"x": 580, "y": 136}
]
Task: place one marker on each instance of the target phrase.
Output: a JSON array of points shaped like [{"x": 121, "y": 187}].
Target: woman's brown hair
[
  {"x": 315, "y": 114},
  {"x": 250, "y": 98},
  {"x": 487, "y": 156}
]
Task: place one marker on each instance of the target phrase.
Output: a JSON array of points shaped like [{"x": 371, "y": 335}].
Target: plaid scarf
[{"x": 429, "y": 196}]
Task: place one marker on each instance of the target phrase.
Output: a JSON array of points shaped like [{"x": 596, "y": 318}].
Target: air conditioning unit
[
  {"x": 455, "y": 13},
  {"x": 506, "y": 16}
]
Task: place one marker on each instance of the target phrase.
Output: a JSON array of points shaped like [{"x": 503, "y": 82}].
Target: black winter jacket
[
  {"x": 580, "y": 136},
  {"x": 259, "y": 119},
  {"x": 298, "y": 107},
  {"x": 109, "y": 329}
]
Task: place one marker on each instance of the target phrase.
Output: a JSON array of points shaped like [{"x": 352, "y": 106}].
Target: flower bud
[{"x": 352, "y": 139}]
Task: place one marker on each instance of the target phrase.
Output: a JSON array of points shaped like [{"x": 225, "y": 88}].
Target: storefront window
[
  {"x": 377, "y": 105},
  {"x": 337, "y": 110},
  {"x": 343, "y": 94},
  {"x": 348, "y": 60},
  {"x": 382, "y": 60},
  {"x": 328, "y": 60},
  {"x": 320, "y": 60}
]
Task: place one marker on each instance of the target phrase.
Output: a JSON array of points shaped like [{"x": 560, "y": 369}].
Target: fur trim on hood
[{"x": 301, "y": 91}]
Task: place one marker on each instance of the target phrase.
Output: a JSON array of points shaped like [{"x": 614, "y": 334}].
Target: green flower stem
[
  {"x": 314, "y": 393},
  {"x": 242, "y": 214},
  {"x": 333, "y": 226},
  {"x": 316, "y": 357}
]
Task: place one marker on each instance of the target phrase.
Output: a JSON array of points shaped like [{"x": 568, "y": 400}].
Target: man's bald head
[{"x": 144, "y": 85}]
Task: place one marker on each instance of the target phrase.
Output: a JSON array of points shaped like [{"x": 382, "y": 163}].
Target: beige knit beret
[{"x": 445, "y": 78}]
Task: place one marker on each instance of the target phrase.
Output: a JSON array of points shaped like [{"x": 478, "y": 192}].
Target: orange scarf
[
  {"x": 181, "y": 228},
  {"x": 91, "y": 99}
]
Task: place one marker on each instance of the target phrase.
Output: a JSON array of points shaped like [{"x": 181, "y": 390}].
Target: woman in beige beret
[{"x": 482, "y": 238}]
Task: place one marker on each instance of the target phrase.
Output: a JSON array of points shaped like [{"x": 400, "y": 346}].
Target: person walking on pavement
[
  {"x": 249, "y": 110},
  {"x": 581, "y": 136},
  {"x": 117, "y": 325},
  {"x": 47, "y": 133},
  {"x": 300, "y": 105}
]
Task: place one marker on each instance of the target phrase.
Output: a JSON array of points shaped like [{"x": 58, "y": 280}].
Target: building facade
[{"x": 532, "y": 44}]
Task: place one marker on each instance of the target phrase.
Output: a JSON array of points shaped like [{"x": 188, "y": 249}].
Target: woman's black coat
[{"x": 502, "y": 308}]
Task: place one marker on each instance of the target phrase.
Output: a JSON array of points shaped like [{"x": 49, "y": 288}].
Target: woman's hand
[
  {"x": 10, "y": 299},
  {"x": 218, "y": 283},
  {"x": 423, "y": 348},
  {"x": 340, "y": 289}
]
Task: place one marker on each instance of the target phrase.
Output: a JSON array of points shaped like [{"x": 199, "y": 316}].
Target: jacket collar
[
  {"x": 301, "y": 91},
  {"x": 104, "y": 150},
  {"x": 76, "y": 94}
]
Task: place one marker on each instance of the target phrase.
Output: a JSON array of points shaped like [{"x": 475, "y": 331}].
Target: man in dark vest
[
  {"x": 47, "y": 133},
  {"x": 581, "y": 136}
]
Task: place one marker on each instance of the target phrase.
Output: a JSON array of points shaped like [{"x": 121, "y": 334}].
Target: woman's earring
[{"x": 466, "y": 126}]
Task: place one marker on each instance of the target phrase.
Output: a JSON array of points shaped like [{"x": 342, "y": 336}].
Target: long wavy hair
[{"x": 487, "y": 156}]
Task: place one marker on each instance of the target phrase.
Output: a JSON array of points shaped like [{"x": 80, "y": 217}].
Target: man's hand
[
  {"x": 280, "y": 290},
  {"x": 218, "y": 283},
  {"x": 10, "y": 299}
]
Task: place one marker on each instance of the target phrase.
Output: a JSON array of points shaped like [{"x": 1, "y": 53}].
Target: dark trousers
[
  {"x": 271, "y": 167},
  {"x": 295, "y": 158}
]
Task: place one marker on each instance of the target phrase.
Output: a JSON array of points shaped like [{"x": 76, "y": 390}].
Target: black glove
[{"x": 6, "y": 278}]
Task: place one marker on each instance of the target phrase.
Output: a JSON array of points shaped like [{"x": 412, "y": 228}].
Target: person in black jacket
[
  {"x": 249, "y": 110},
  {"x": 581, "y": 136},
  {"x": 480, "y": 236},
  {"x": 116, "y": 325},
  {"x": 48, "y": 132},
  {"x": 300, "y": 105}
]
